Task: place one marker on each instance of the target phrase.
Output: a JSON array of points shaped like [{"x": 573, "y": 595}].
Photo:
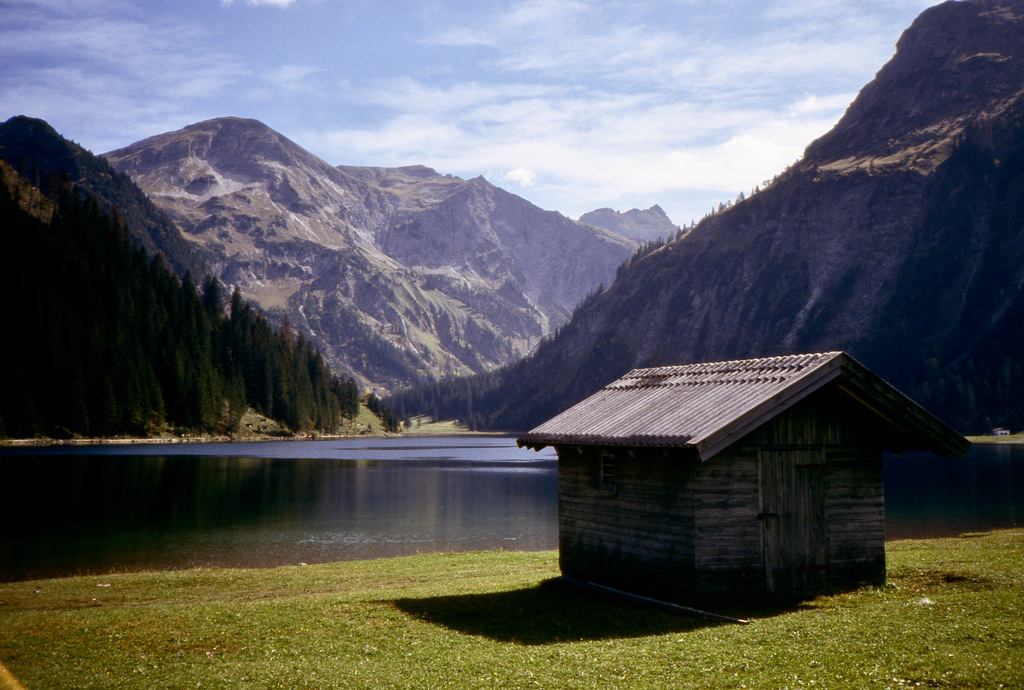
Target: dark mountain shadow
[{"x": 552, "y": 612}]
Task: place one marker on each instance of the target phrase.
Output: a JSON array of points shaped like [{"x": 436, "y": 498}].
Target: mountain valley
[
  {"x": 398, "y": 275},
  {"x": 898, "y": 237}
]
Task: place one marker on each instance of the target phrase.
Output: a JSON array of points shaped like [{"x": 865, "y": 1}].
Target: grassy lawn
[
  {"x": 425, "y": 426},
  {"x": 950, "y": 617},
  {"x": 1012, "y": 438}
]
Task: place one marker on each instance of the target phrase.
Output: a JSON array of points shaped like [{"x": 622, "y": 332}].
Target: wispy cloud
[
  {"x": 624, "y": 101},
  {"x": 596, "y": 106},
  {"x": 294, "y": 78},
  {"x": 271, "y": 3},
  {"x": 583, "y": 103},
  {"x": 521, "y": 21},
  {"x": 583, "y": 147},
  {"x": 81, "y": 68}
]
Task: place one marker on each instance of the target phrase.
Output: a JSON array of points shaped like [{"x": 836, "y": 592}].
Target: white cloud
[
  {"x": 523, "y": 177},
  {"x": 586, "y": 104},
  {"x": 293, "y": 78},
  {"x": 106, "y": 73},
  {"x": 823, "y": 104},
  {"x": 576, "y": 148},
  {"x": 272, "y": 3},
  {"x": 643, "y": 99}
]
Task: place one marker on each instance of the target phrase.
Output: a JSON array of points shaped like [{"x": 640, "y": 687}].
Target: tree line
[
  {"x": 962, "y": 360},
  {"x": 103, "y": 340}
]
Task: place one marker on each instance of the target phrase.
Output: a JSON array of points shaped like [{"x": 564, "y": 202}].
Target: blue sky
[{"x": 572, "y": 104}]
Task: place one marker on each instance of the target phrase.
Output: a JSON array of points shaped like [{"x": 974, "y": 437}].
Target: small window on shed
[{"x": 606, "y": 471}]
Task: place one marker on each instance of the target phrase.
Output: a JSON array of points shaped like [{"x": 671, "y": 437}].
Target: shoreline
[
  {"x": 170, "y": 440},
  {"x": 155, "y": 440},
  {"x": 1015, "y": 439},
  {"x": 991, "y": 440}
]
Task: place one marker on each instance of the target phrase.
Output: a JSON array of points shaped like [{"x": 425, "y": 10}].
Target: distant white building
[{"x": 1000, "y": 431}]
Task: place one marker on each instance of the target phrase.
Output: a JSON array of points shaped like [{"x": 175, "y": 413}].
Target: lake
[{"x": 96, "y": 509}]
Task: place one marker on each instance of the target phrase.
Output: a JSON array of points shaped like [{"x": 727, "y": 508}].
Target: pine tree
[{"x": 117, "y": 344}]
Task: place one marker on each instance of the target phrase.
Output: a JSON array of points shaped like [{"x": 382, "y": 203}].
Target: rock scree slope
[{"x": 398, "y": 275}]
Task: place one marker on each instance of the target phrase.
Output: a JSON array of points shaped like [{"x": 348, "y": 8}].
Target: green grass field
[
  {"x": 1012, "y": 438},
  {"x": 949, "y": 617}
]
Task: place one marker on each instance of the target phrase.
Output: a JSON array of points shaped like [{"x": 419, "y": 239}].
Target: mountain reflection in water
[
  {"x": 108, "y": 508},
  {"x": 97, "y": 509}
]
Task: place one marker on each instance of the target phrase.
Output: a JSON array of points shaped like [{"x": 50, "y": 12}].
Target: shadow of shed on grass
[{"x": 550, "y": 613}]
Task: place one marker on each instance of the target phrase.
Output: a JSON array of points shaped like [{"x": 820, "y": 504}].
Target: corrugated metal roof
[{"x": 708, "y": 406}]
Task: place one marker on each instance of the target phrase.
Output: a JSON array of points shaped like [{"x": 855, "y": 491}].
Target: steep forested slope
[
  {"x": 899, "y": 237},
  {"x": 44, "y": 157},
  {"x": 103, "y": 340}
]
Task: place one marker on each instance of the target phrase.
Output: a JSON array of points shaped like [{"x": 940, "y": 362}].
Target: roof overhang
[{"x": 717, "y": 421}]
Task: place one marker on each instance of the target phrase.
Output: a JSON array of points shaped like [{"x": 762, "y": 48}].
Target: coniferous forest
[
  {"x": 957, "y": 353},
  {"x": 103, "y": 340}
]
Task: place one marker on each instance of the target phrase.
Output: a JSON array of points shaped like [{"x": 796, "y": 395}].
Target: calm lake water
[{"x": 110, "y": 508}]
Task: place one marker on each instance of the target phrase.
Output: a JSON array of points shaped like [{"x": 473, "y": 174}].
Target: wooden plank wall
[
  {"x": 854, "y": 498},
  {"x": 855, "y": 507},
  {"x": 675, "y": 528},
  {"x": 637, "y": 536},
  {"x": 727, "y": 532}
]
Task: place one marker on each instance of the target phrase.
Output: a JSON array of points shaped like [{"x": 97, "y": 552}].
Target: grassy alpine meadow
[{"x": 951, "y": 616}]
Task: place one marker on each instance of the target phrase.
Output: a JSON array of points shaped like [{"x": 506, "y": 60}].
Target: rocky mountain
[
  {"x": 899, "y": 237},
  {"x": 397, "y": 275},
  {"x": 110, "y": 342},
  {"x": 642, "y": 226},
  {"x": 44, "y": 157}
]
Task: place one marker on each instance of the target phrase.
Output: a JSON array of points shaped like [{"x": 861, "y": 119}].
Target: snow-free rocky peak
[
  {"x": 899, "y": 238},
  {"x": 397, "y": 274}
]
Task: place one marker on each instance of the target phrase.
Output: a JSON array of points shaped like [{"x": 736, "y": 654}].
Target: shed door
[{"x": 793, "y": 519}]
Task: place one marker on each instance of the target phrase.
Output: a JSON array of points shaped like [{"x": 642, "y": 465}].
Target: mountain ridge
[
  {"x": 642, "y": 225},
  {"x": 398, "y": 275},
  {"x": 36, "y": 151},
  {"x": 898, "y": 241},
  {"x": 953, "y": 55}
]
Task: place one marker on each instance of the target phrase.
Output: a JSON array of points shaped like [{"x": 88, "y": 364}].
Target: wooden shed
[{"x": 754, "y": 477}]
